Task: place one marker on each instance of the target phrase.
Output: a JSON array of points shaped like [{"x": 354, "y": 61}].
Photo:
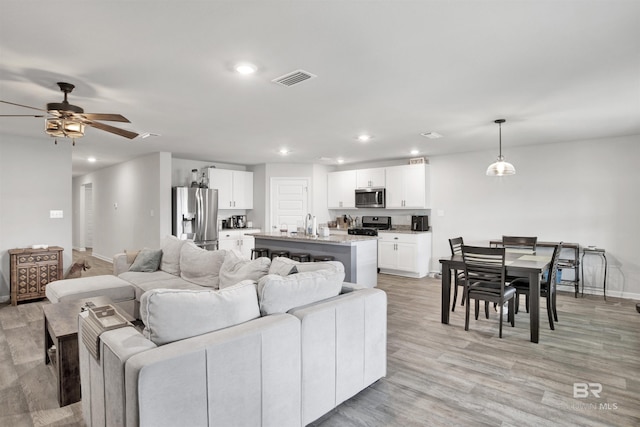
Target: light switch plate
[{"x": 56, "y": 214}]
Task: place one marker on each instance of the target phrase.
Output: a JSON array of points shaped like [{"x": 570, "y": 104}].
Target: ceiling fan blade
[
  {"x": 20, "y": 115},
  {"x": 112, "y": 129},
  {"x": 105, "y": 117},
  {"x": 20, "y": 105}
]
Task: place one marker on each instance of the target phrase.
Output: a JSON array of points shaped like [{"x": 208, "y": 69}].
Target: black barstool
[
  {"x": 275, "y": 254},
  {"x": 259, "y": 252},
  {"x": 301, "y": 257},
  {"x": 320, "y": 258}
]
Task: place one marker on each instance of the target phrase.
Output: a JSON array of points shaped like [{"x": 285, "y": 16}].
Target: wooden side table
[
  {"x": 32, "y": 270},
  {"x": 61, "y": 330}
]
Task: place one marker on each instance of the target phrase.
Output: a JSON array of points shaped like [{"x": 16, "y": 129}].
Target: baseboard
[
  {"x": 599, "y": 292},
  {"x": 102, "y": 257}
]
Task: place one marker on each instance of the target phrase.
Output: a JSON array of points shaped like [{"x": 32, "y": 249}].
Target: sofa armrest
[
  {"x": 350, "y": 287},
  {"x": 120, "y": 264}
]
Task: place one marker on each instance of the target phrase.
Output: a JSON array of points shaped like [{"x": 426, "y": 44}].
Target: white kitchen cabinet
[
  {"x": 404, "y": 254},
  {"x": 235, "y": 188},
  {"x": 407, "y": 187},
  {"x": 341, "y": 188},
  {"x": 240, "y": 240},
  {"x": 370, "y": 178}
]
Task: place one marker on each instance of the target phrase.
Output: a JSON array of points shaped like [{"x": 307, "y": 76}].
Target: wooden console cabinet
[{"x": 32, "y": 270}]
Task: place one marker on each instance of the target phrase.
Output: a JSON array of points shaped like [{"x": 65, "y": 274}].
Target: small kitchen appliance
[
  {"x": 239, "y": 221},
  {"x": 370, "y": 198},
  {"x": 419, "y": 223}
]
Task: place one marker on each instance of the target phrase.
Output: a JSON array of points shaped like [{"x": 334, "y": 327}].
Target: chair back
[
  {"x": 520, "y": 242},
  {"x": 456, "y": 245},
  {"x": 484, "y": 265},
  {"x": 553, "y": 269}
]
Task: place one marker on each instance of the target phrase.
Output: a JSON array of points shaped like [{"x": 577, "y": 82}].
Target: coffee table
[{"x": 61, "y": 330}]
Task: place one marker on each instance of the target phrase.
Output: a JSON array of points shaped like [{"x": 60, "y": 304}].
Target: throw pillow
[
  {"x": 171, "y": 247},
  {"x": 171, "y": 315},
  {"x": 200, "y": 266},
  {"x": 283, "y": 266},
  {"x": 235, "y": 269},
  {"x": 147, "y": 260},
  {"x": 279, "y": 294}
]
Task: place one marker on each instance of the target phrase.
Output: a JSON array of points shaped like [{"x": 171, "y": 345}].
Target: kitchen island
[{"x": 359, "y": 254}]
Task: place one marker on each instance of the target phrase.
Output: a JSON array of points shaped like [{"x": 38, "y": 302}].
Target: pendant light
[{"x": 500, "y": 167}]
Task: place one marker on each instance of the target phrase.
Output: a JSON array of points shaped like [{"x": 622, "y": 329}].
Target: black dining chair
[
  {"x": 456, "y": 249},
  {"x": 484, "y": 271},
  {"x": 520, "y": 242},
  {"x": 547, "y": 288}
]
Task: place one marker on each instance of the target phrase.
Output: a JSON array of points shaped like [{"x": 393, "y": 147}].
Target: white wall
[
  {"x": 141, "y": 189},
  {"x": 584, "y": 192},
  {"x": 35, "y": 177}
]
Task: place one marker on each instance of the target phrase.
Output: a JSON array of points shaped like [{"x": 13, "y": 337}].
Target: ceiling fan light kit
[
  {"x": 500, "y": 167},
  {"x": 68, "y": 121}
]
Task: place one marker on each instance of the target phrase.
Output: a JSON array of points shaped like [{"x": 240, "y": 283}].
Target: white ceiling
[{"x": 555, "y": 70}]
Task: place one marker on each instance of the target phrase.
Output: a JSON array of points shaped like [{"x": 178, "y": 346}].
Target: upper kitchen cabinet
[
  {"x": 407, "y": 187},
  {"x": 235, "y": 188},
  {"x": 370, "y": 178},
  {"x": 341, "y": 189}
]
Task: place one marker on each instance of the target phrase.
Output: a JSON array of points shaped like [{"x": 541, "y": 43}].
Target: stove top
[{"x": 363, "y": 231}]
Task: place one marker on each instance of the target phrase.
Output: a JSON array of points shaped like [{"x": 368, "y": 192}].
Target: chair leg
[
  {"x": 455, "y": 293},
  {"x": 512, "y": 312},
  {"x": 550, "y": 312},
  {"x": 464, "y": 295},
  {"x": 553, "y": 306},
  {"x": 477, "y": 308},
  {"x": 486, "y": 309},
  {"x": 466, "y": 316},
  {"x": 517, "y": 297},
  {"x": 501, "y": 310},
  {"x": 526, "y": 301}
]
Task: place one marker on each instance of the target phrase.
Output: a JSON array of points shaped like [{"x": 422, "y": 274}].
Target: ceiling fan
[{"x": 68, "y": 120}]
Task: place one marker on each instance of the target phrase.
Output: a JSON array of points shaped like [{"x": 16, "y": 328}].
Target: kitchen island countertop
[{"x": 335, "y": 239}]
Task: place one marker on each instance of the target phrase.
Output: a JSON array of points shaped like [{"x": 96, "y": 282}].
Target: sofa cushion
[
  {"x": 171, "y": 247},
  {"x": 283, "y": 266},
  {"x": 279, "y": 294},
  {"x": 171, "y": 315},
  {"x": 200, "y": 266},
  {"x": 235, "y": 269},
  {"x": 147, "y": 260},
  {"x": 86, "y": 287},
  {"x": 174, "y": 282}
]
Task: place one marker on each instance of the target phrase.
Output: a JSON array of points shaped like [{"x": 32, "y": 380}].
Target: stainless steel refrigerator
[{"x": 195, "y": 215}]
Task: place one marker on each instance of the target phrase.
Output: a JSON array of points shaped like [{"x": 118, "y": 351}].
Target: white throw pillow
[
  {"x": 200, "y": 266},
  {"x": 171, "y": 315},
  {"x": 279, "y": 294},
  {"x": 235, "y": 269},
  {"x": 283, "y": 266},
  {"x": 170, "y": 262}
]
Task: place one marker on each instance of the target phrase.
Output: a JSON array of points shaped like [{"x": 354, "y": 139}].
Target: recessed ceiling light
[
  {"x": 246, "y": 68},
  {"x": 91, "y": 159},
  {"x": 340, "y": 161},
  {"x": 364, "y": 137},
  {"x": 284, "y": 151},
  {"x": 431, "y": 135},
  {"x": 414, "y": 152}
]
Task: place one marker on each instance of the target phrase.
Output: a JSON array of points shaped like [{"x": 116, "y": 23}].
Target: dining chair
[
  {"x": 484, "y": 271},
  {"x": 456, "y": 249},
  {"x": 520, "y": 242},
  {"x": 547, "y": 288}
]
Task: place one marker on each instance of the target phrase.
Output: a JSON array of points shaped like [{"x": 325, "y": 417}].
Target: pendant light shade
[{"x": 500, "y": 167}]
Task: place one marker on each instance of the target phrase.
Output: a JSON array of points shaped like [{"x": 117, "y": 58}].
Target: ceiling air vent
[{"x": 293, "y": 78}]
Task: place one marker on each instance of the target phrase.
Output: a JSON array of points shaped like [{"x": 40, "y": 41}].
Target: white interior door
[{"x": 289, "y": 202}]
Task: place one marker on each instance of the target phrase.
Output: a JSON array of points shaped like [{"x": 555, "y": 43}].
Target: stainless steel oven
[{"x": 370, "y": 198}]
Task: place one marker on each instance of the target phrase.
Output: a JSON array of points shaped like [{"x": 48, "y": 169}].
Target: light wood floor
[{"x": 438, "y": 375}]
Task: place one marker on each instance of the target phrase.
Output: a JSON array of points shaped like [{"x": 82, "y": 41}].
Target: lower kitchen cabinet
[
  {"x": 240, "y": 240},
  {"x": 404, "y": 254}
]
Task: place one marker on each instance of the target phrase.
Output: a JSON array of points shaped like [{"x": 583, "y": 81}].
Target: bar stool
[
  {"x": 320, "y": 258},
  {"x": 301, "y": 257},
  {"x": 259, "y": 252},
  {"x": 275, "y": 254}
]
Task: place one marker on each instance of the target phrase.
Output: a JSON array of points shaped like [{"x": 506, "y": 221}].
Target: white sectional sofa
[{"x": 281, "y": 349}]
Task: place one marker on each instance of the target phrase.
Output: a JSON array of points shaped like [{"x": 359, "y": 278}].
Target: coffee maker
[
  {"x": 419, "y": 223},
  {"x": 239, "y": 221}
]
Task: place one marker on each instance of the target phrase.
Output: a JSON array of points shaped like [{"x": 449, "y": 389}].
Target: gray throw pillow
[
  {"x": 147, "y": 261},
  {"x": 235, "y": 269},
  {"x": 283, "y": 266}
]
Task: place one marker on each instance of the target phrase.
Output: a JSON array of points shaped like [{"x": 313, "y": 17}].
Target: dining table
[{"x": 517, "y": 263}]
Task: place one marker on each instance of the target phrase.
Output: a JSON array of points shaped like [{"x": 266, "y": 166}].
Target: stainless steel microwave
[{"x": 370, "y": 198}]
